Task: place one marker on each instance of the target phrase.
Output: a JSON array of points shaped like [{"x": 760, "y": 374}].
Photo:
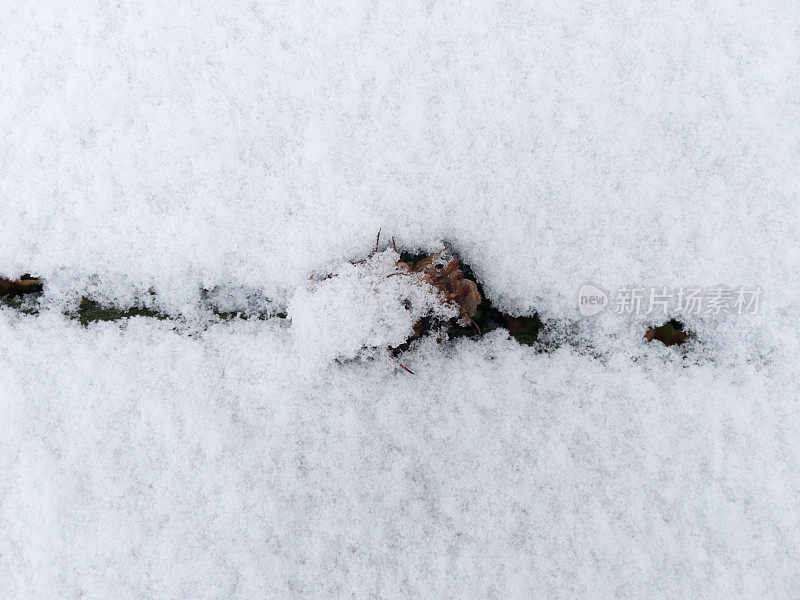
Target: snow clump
[{"x": 361, "y": 307}]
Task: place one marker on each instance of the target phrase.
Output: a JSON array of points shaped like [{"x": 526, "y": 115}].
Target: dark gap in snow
[
  {"x": 24, "y": 285},
  {"x": 671, "y": 333},
  {"x": 22, "y": 295},
  {"x": 524, "y": 329}
]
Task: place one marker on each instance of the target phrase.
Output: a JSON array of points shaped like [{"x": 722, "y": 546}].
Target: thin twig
[
  {"x": 405, "y": 368},
  {"x": 17, "y": 288},
  {"x": 471, "y": 320},
  {"x": 378, "y": 240},
  {"x": 394, "y": 245}
]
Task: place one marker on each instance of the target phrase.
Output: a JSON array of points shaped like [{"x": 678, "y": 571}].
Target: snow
[
  {"x": 362, "y": 307},
  {"x": 175, "y": 146},
  {"x": 196, "y": 156},
  {"x": 139, "y": 461}
]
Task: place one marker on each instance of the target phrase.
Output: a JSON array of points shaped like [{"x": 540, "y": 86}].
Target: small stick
[
  {"x": 378, "y": 240},
  {"x": 394, "y": 245},
  {"x": 17, "y": 288},
  {"x": 471, "y": 320},
  {"x": 405, "y": 368}
]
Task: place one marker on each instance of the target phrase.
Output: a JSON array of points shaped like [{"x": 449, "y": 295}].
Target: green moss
[
  {"x": 671, "y": 333},
  {"x": 11, "y": 302},
  {"x": 20, "y": 303},
  {"x": 92, "y": 312},
  {"x": 261, "y": 316},
  {"x": 487, "y": 318}
]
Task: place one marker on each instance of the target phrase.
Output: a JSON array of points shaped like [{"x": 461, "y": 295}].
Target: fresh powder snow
[{"x": 240, "y": 157}]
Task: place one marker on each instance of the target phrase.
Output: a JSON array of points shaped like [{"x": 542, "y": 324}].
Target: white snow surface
[
  {"x": 188, "y": 155},
  {"x": 142, "y": 462},
  {"x": 174, "y": 145}
]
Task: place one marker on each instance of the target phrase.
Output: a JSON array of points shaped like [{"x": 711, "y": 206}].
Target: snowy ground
[{"x": 241, "y": 147}]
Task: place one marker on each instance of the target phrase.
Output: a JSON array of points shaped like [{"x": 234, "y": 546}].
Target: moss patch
[
  {"x": 92, "y": 312},
  {"x": 671, "y": 333}
]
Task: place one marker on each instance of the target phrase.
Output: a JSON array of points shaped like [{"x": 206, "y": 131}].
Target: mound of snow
[{"x": 361, "y": 307}]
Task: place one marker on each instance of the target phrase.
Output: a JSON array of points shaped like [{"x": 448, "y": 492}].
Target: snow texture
[
  {"x": 140, "y": 462},
  {"x": 179, "y": 145},
  {"x": 188, "y": 156}
]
